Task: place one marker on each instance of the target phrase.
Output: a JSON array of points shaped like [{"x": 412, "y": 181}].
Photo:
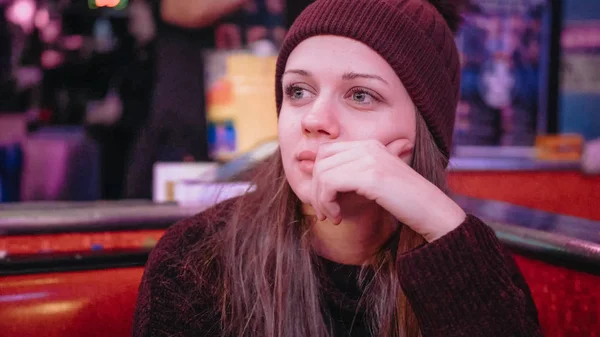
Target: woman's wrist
[{"x": 446, "y": 217}]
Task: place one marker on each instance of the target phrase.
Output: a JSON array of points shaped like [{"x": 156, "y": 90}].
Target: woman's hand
[{"x": 377, "y": 172}]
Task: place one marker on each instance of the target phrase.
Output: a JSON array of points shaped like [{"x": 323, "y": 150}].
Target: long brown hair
[{"x": 269, "y": 279}]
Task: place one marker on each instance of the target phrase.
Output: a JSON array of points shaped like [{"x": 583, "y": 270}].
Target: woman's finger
[
  {"x": 342, "y": 178},
  {"x": 329, "y": 149},
  {"x": 329, "y": 157},
  {"x": 314, "y": 199},
  {"x": 340, "y": 158}
]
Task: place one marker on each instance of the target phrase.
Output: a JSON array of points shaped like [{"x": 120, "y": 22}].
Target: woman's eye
[
  {"x": 362, "y": 96},
  {"x": 297, "y": 93}
]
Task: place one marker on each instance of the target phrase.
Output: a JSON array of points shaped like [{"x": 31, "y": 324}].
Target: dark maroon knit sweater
[{"x": 463, "y": 284}]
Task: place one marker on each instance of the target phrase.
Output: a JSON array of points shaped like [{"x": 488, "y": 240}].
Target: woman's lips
[
  {"x": 306, "y": 161},
  {"x": 307, "y": 155}
]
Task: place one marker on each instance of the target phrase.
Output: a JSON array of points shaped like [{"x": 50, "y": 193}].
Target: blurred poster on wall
[
  {"x": 241, "y": 102},
  {"x": 580, "y": 69},
  {"x": 501, "y": 44},
  {"x": 581, "y": 58}
]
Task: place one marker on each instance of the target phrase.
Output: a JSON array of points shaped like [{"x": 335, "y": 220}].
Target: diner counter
[
  {"x": 68, "y": 217},
  {"x": 510, "y": 164},
  {"x": 561, "y": 238},
  {"x": 510, "y": 158}
]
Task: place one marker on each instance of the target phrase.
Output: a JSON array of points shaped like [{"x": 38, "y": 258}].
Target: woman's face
[{"x": 338, "y": 89}]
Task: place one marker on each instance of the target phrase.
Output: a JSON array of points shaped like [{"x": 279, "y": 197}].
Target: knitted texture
[
  {"x": 411, "y": 35},
  {"x": 462, "y": 285}
]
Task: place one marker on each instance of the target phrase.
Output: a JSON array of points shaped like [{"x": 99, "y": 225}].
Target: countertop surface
[{"x": 526, "y": 228}]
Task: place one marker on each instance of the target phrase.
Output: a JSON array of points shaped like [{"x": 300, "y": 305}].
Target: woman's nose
[{"x": 321, "y": 122}]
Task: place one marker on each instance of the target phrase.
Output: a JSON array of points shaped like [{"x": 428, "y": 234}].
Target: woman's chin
[
  {"x": 301, "y": 189},
  {"x": 304, "y": 199}
]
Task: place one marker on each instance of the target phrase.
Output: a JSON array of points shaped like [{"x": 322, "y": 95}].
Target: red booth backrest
[
  {"x": 568, "y": 301},
  {"x": 96, "y": 303},
  {"x": 101, "y": 303}
]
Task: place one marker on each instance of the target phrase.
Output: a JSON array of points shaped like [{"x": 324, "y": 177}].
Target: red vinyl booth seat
[
  {"x": 101, "y": 302},
  {"x": 68, "y": 304},
  {"x": 568, "y": 301}
]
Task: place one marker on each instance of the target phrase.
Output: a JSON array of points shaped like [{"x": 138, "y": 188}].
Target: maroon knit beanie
[{"x": 414, "y": 36}]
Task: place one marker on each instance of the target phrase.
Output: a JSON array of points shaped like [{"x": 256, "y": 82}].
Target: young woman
[{"x": 349, "y": 232}]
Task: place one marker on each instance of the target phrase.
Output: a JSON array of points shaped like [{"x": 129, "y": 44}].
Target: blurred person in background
[
  {"x": 20, "y": 49},
  {"x": 5, "y": 57},
  {"x": 116, "y": 120},
  {"x": 5, "y": 47},
  {"x": 177, "y": 128}
]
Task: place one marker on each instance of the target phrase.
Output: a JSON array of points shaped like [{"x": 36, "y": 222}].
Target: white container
[
  {"x": 167, "y": 176},
  {"x": 198, "y": 193}
]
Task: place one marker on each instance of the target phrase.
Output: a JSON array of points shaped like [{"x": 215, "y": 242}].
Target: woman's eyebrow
[
  {"x": 346, "y": 76},
  {"x": 351, "y": 76},
  {"x": 299, "y": 72}
]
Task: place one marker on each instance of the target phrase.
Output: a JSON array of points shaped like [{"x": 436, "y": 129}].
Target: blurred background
[
  {"x": 119, "y": 117},
  {"x": 101, "y": 98}
]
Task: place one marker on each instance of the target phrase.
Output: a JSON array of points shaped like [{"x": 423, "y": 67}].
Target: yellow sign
[
  {"x": 568, "y": 147},
  {"x": 245, "y": 97}
]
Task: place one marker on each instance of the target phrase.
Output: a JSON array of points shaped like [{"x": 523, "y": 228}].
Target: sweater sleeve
[
  {"x": 170, "y": 303},
  {"x": 464, "y": 284}
]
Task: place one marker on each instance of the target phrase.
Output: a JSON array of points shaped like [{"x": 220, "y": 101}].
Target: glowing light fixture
[{"x": 115, "y": 4}]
